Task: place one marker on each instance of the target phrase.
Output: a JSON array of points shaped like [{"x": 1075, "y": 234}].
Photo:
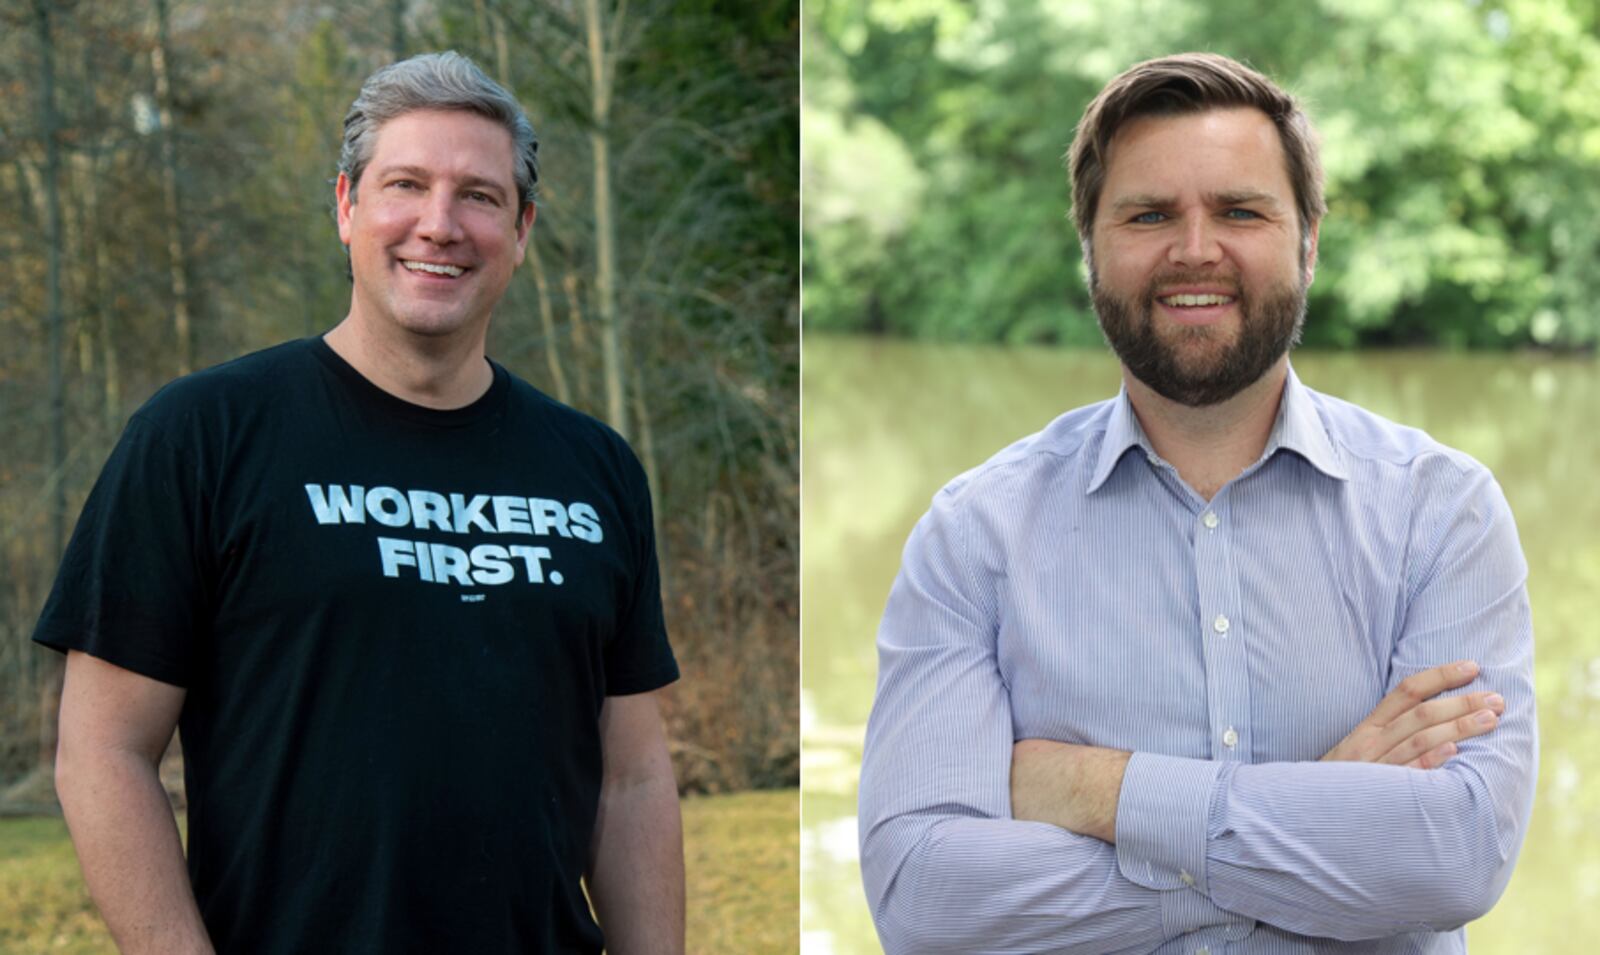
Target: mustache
[{"x": 1180, "y": 279}]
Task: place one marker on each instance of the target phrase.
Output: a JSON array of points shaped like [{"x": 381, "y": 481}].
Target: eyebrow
[
  {"x": 1232, "y": 197},
  {"x": 469, "y": 182}
]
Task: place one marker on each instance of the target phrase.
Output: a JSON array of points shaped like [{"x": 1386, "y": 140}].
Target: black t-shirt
[{"x": 396, "y": 627}]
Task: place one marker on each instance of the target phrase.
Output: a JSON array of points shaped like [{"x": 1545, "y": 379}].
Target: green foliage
[{"x": 1461, "y": 140}]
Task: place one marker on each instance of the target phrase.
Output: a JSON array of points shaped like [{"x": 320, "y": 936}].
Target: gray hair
[{"x": 445, "y": 80}]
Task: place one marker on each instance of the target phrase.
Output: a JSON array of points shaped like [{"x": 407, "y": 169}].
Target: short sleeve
[
  {"x": 131, "y": 589},
  {"x": 639, "y": 658}
]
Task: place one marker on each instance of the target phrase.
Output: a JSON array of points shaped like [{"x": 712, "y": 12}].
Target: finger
[
  {"x": 1424, "y": 685},
  {"x": 1434, "y": 758},
  {"x": 1436, "y": 711},
  {"x": 1466, "y": 727}
]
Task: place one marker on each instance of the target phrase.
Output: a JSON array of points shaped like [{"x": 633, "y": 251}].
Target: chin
[{"x": 435, "y": 326}]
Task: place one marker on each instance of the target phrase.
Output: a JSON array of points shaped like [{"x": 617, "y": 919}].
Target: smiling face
[
  {"x": 434, "y": 231},
  {"x": 1196, "y": 268}
]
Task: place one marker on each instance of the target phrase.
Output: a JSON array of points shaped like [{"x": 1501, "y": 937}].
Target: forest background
[{"x": 166, "y": 174}]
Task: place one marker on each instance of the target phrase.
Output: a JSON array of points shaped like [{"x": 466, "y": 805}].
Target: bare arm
[
  {"x": 115, "y": 724},
  {"x": 636, "y": 859}
]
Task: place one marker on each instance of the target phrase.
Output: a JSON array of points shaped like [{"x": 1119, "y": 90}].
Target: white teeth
[
  {"x": 450, "y": 270},
  {"x": 1191, "y": 300}
]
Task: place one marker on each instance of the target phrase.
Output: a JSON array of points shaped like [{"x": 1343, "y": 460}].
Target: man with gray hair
[{"x": 404, "y": 608}]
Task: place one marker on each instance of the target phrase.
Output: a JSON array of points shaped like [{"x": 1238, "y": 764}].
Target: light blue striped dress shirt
[{"x": 1074, "y": 588}]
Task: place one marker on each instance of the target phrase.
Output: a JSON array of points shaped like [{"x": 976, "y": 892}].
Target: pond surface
[{"x": 886, "y": 424}]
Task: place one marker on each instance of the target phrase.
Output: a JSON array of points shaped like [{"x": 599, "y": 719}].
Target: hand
[
  {"x": 1067, "y": 785},
  {"x": 1409, "y": 727}
]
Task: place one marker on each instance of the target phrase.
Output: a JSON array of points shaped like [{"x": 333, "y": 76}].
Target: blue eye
[
  {"x": 1243, "y": 212},
  {"x": 1145, "y": 218}
]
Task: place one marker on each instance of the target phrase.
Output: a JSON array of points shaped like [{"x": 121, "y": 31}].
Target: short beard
[{"x": 1269, "y": 328}]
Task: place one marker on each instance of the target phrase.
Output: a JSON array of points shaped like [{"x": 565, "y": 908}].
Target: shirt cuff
[{"x": 1163, "y": 815}]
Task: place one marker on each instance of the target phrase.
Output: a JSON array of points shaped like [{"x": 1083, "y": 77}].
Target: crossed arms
[
  {"x": 973, "y": 841},
  {"x": 1076, "y": 787}
]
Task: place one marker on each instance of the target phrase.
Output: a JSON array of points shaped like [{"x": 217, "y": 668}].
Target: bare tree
[
  {"x": 541, "y": 284},
  {"x": 169, "y": 160},
  {"x": 50, "y": 684},
  {"x": 602, "y": 47},
  {"x": 178, "y": 263}
]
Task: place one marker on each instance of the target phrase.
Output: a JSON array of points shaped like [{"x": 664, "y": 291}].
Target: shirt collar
[
  {"x": 1298, "y": 428},
  {"x": 1122, "y": 432}
]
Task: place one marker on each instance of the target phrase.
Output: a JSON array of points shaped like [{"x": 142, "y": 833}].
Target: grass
[
  {"x": 741, "y": 852},
  {"x": 44, "y": 906}
]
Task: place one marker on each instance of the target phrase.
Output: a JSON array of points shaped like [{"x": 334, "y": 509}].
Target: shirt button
[
  {"x": 1230, "y": 737},
  {"x": 1202, "y": 951},
  {"x": 1220, "y": 624},
  {"x": 1210, "y": 520},
  {"x": 1185, "y": 877}
]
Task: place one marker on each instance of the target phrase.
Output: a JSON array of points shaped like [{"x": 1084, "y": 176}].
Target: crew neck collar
[{"x": 486, "y": 404}]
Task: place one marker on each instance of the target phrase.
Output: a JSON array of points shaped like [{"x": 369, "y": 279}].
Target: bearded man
[{"x": 1221, "y": 664}]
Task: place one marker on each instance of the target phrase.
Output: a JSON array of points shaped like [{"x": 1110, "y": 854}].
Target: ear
[
  {"x": 525, "y": 228},
  {"x": 343, "y": 200},
  {"x": 1310, "y": 264}
]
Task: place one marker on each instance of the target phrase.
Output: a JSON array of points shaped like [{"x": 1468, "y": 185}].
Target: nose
[
  {"x": 1195, "y": 244},
  {"x": 438, "y": 222}
]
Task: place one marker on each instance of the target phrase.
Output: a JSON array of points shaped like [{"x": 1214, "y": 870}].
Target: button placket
[{"x": 1227, "y": 673}]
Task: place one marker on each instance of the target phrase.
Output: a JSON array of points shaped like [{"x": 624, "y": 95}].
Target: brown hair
[{"x": 1192, "y": 83}]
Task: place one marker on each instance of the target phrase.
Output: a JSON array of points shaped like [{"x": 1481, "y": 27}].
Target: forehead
[
  {"x": 1219, "y": 150},
  {"x": 447, "y": 143}
]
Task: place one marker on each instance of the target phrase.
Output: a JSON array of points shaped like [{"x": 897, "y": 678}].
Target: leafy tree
[{"x": 1459, "y": 143}]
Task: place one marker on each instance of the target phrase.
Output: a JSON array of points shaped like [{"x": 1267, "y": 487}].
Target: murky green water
[{"x": 887, "y": 424}]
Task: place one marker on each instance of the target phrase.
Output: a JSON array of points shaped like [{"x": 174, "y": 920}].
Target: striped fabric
[{"x": 1073, "y": 588}]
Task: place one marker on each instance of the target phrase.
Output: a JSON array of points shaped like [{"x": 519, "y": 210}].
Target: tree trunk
[
  {"x": 178, "y": 270},
  {"x": 647, "y": 456},
  {"x": 502, "y": 50},
  {"x": 541, "y": 284},
  {"x": 96, "y": 307},
  {"x": 76, "y": 237},
  {"x": 547, "y": 321},
  {"x": 49, "y": 685},
  {"x": 605, "y": 279},
  {"x": 580, "y": 334}
]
